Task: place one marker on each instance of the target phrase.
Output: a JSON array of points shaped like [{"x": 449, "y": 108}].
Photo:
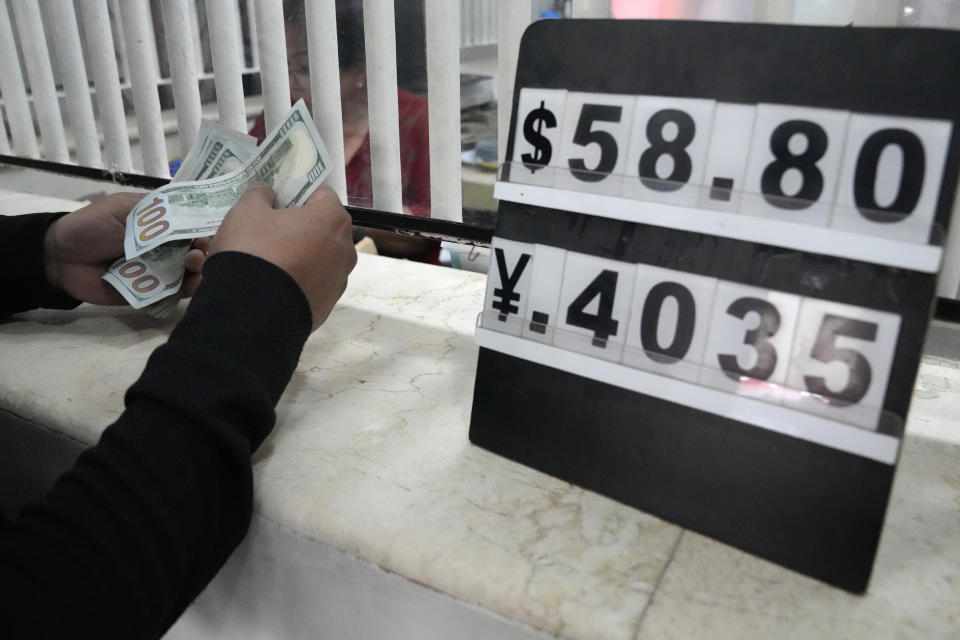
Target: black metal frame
[{"x": 370, "y": 218}]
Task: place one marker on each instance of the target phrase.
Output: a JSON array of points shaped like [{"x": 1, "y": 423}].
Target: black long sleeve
[
  {"x": 144, "y": 520},
  {"x": 22, "y": 274}
]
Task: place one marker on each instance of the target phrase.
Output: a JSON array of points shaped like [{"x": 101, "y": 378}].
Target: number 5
[
  {"x": 825, "y": 350},
  {"x": 585, "y": 135}
]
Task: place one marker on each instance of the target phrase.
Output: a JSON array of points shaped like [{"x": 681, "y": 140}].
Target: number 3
[{"x": 758, "y": 338}]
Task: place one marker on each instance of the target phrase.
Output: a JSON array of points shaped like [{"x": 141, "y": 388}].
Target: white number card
[
  {"x": 816, "y": 356},
  {"x": 875, "y": 175}
]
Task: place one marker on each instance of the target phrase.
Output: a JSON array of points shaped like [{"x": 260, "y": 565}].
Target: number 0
[
  {"x": 911, "y": 179},
  {"x": 650, "y": 322},
  {"x": 154, "y": 230}
]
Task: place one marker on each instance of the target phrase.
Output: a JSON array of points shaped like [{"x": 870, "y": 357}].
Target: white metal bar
[
  {"x": 934, "y": 13},
  {"x": 46, "y": 21},
  {"x": 877, "y": 13},
  {"x": 443, "y": 83},
  {"x": 381, "y": 51},
  {"x": 818, "y": 12},
  {"x": 476, "y": 21},
  {"x": 118, "y": 39},
  {"x": 36, "y": 58},
  {"x": 948, "y": 285},
  {"x": 65, "y": 33},
  {"x": 252, "y": 28},
  {"x": 514, "y": 18},
  {"x": 150, "y": 39},
  {"x": 490, "y": 31},
  {"x": 774, "y": 11},
  {"x": 729, "y": 10},
  {"x": 106, "y": 78},
  {"x": 4, "y": 141},
  {"x": 321, "y": 17},
  {"x": 143, "y": 78},
  {"x": 183, "y": 70},
  {"x": 197, "y": 40},
  {"x": 271, "y": 42},
  {"x": 591, "y": 8},
  {"x": 221, "y": 20},
  {"x": 672, "y": 10},
  {"x": 14, "y": 91},
  {"x": 239, "y": 22}
]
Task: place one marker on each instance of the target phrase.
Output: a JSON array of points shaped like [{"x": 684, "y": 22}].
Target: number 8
[
  {"x": 806, "y": 163},
  {"x": 676, "y": 149}
]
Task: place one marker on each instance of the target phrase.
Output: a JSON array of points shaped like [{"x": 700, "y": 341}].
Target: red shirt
[{"x": 414, "y": 164}]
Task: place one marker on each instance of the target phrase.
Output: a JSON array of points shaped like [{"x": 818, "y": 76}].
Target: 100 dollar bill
[
  {"x": 226, "y": 161},
  {"x": 292, "y": 160},
  {"x": 212, "y": 140},
  {"x": 152, "y": 279}
]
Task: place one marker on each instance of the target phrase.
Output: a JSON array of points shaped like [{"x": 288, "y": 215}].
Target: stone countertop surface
[{"x": 371, "y": 456}]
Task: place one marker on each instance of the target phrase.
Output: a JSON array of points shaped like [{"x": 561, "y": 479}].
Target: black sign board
[{"x": 714, "y": 264}]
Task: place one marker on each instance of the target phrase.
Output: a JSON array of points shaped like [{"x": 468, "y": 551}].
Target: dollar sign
[{"x": 532, "y": 127}]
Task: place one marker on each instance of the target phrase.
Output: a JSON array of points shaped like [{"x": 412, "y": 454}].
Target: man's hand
[
  {"x": 80, "y": 246},
  {"x": 313, "y": 243}
]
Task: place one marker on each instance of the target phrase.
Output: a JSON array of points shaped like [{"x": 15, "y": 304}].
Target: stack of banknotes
[{"x": 215, "y": 174}]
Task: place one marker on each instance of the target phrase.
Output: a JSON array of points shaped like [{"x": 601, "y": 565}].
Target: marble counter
[{"x": 370, "y": 459}]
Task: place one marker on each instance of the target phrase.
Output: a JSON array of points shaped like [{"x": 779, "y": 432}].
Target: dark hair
[{"x": 350, "y": 44}]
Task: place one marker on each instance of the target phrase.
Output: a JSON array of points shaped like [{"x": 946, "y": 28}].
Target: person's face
[
  {"x": 298, "y": 64},
  {"x": 352, "y": 81}
]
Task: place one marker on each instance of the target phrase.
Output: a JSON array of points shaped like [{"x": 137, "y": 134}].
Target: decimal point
[
  {"x": 721, "y": 189},
  {"x": 539, "y": 322}
]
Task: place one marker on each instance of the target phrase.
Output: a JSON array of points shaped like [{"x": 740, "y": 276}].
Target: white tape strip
[{"x": 842, "y": 244}]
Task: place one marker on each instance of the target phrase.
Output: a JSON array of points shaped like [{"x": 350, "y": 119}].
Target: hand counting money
[
  {"x": 293, "y": 160},
  {"x": 151, "y": 280}
]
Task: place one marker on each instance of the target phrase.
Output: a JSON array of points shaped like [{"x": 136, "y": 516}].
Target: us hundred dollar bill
[
  {"x": 292, "y": 160},
  {"x": 227, "y": 161},
  {"x": 212, "y": 140},
  {"x": 151, "y": 280}
]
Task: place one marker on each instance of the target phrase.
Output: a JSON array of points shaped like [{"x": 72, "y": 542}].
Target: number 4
[{"x": 601, "y": 323}]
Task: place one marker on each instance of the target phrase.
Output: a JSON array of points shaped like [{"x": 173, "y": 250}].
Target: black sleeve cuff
[
  {"x": 22, "y": 270},
  {"x": 252, "y": 312}
]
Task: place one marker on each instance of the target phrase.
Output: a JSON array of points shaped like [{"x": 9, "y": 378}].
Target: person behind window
[{"x": 414, "y": 140}]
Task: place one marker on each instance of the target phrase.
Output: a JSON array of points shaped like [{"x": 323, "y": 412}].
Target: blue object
[
  {"x": 175, "y": 166},
  {"x": 549, "y": 14}
]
